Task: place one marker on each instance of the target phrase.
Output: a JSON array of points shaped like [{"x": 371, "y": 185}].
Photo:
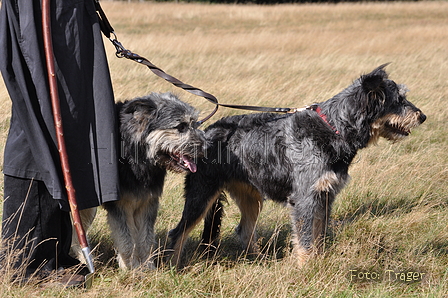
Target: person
[{"x": 36, "y": 221}]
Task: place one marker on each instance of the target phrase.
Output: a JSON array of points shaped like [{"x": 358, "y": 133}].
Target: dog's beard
[
  {"x": 176, "y": 162},
  {"x": 394, "y": 127},
  {"x": 173, "y": 151}
]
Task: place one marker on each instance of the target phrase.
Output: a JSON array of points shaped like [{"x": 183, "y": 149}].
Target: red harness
[{"x": 324, "y": 117}]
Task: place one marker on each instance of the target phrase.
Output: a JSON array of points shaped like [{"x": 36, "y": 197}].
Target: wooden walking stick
[{"x": 49, "y": 55}]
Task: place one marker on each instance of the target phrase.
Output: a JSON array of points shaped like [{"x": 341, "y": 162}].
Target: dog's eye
[{"x": 182, "y": 127}]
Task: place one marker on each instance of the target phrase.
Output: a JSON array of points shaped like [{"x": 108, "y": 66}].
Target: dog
[
  {"x": 158, "y": 133},
  {"x": 299, "y": 159}
]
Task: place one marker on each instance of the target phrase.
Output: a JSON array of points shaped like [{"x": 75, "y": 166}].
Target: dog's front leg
[
  {"x": 144, "y": 218},
  {"x": 304, "y": 210},
  {"x": 87, "y": 217},
  {"x": 199, "y": 198},
  {"x": 118, "y": 220}
]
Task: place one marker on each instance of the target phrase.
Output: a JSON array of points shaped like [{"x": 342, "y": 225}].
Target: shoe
[{"x": 65, "y": 279}]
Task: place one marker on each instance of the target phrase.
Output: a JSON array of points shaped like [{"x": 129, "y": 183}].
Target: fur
[
  {"x": 158, "y": 133},
  {"x": 299, "y": 159}
]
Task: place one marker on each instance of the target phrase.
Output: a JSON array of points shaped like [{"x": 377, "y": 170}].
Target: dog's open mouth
[
  {"x": 397, "y": 129},
  {"x": 184, "y": 162}
]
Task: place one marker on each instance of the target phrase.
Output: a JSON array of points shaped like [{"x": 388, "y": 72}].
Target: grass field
[{"x": 390, "y": 220}]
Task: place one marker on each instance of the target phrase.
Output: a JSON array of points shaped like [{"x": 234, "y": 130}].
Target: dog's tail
[{"x": 212, "y": 221}]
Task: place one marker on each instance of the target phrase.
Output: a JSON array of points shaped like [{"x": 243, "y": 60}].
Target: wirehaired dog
[
  {"x": 299, "y": 159},
  {"x": 158, "y": 133}
]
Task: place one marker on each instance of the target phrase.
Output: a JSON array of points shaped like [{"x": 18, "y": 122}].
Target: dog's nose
[{"x": 422, "y": 117}]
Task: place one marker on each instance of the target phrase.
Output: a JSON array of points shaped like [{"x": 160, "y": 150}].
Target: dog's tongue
[{"x": 189, "y": 163}]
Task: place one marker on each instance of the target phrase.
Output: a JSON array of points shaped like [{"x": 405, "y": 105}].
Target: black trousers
[{"x": 35, "y": 231}]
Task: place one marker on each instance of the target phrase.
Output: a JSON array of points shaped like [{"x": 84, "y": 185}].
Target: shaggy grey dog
[
  {"x": 158, "y": 133},
  {"x": 299, "y": 159}
]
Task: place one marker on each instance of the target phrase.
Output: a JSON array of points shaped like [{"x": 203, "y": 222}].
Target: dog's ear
[
  {"x": 138, "y": 105},
  {"x": 139, "y": 109},
  {"x": 374, "y": 80},
  {"x": 373, "y": 84},
  {"x": 380, "y": 69}
]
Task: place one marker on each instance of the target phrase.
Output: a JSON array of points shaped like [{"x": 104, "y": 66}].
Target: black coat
[{"x": 85, "y": 91}]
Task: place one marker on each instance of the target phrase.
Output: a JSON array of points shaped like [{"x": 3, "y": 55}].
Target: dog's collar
[{"x": 318, "y": 110}]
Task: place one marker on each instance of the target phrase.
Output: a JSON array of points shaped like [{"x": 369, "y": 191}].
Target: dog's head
[
  {"x": 163, "y": 130},
  {"x": 385, "y": 106}
]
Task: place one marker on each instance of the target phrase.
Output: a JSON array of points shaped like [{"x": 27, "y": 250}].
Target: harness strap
[
  {"x": 108, "y": 30},
  {"x": 318, "y": 110}
]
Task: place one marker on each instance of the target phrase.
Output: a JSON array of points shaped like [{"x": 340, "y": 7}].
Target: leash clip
[
  {"x": 295, "y": 110},
  {"x": 121, "y": 50}
]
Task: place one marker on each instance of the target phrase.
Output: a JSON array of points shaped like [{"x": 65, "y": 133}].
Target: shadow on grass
[
  {"x": 438, "y": 247},
  {"x": 274, "y": 242},
  {"x": 103, "y": 250},
  {"x": 275, "y": 245},
  {"x": 379, "y": 206}
]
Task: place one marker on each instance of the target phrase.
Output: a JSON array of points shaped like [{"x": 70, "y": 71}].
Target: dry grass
[{"x": 393, "y": 214}]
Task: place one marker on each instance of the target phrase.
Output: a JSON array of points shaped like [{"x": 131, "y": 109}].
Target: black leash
[{"x": 108, "y": 31}]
